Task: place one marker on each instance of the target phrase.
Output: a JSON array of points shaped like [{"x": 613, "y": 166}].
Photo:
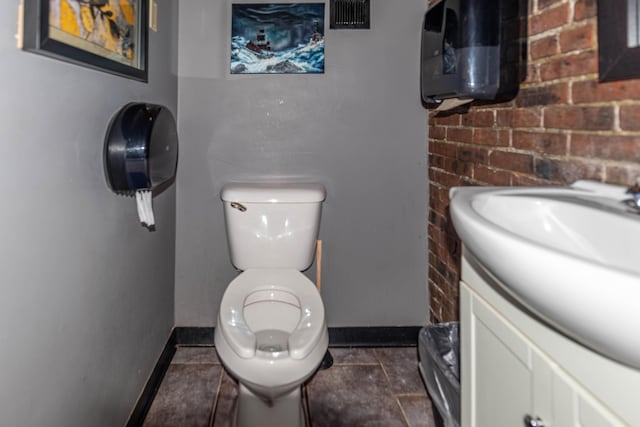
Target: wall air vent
[{"x": 350, "y": 14}]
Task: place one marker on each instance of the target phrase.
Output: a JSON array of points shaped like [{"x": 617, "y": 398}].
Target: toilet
[{"x": 271, "y": 334}]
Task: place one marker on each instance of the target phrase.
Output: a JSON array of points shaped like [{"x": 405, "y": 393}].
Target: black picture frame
[
  {"x": 277, "y": 38},
  {"x": 41, "y": 38},
  {"x": 616, "y": 60}
]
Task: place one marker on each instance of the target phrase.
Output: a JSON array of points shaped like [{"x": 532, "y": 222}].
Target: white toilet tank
[{"x": 272, "y": 225}]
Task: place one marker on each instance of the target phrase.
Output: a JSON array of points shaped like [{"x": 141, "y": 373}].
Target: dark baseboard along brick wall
[{"x": 563, "y": 126}]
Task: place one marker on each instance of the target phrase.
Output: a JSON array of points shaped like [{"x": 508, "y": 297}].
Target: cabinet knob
[{"x": 530, "y": 421}]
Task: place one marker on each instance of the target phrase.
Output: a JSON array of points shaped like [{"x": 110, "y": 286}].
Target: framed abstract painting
[
  {"x": 106, "y": 35},
  {"x": 277, "y": 38}
]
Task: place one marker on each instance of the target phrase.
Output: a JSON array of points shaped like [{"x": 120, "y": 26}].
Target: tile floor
[{"x": 364, "y": 387}]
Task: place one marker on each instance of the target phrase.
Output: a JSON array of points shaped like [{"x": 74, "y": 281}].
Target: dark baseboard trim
[
  {"x": 193, "y": 336},
  {"x": 362, "y": 336},
  {"x": 374, "y": 336},
  {"x": 151, "y": 388},
  {"x": 369, "y": 336}
]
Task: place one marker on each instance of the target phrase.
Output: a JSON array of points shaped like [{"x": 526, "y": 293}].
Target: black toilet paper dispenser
[{"x": 141, "y": 148}]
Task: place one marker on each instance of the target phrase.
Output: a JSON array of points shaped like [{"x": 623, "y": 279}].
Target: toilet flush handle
[
  {"x": 239, "y": 206},
  {"x": 529, "y": 421}
]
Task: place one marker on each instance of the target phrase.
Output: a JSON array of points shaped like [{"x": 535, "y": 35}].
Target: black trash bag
[{"x": 439, "y": 348}]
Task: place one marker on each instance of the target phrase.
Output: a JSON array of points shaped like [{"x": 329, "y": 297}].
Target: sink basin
[{"x": 569, "y": 254}]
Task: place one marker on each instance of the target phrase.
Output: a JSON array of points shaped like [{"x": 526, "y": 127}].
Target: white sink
[{"x": 570, "y": 254}]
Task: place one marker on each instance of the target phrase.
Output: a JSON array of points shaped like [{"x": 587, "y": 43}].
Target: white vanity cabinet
[{"x": 515, "y": 366}]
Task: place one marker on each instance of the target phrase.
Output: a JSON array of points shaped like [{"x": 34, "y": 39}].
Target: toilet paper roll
[
  {"x": 140, "y": 205},
  {"x": 145, "y": 208},
  {"x": 148, "y": 197}
]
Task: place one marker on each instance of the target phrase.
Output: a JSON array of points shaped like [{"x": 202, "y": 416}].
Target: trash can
[{"x": 439, "y": 349}]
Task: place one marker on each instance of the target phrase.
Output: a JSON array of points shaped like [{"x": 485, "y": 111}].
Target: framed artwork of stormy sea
[{"x": 277, "y": 38}]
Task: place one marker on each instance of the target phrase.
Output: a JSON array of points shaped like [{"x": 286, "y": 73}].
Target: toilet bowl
[
  {"x": 271, "y": 334},
  {"x": 271, "y": 330}
]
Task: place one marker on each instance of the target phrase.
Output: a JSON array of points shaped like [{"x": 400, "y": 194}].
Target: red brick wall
[{"x": 562, "y": 126}]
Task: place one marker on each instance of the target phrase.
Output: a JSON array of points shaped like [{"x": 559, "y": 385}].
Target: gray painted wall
[
  {"x": 87, "y": 294},
  {"x": 359, "y": 129}
]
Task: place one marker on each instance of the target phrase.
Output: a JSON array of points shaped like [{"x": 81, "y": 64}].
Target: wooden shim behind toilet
[{"x": 319, "y": 264}]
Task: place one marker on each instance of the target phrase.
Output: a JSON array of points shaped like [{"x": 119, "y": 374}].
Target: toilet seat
[{"x": 276, "y": 285}]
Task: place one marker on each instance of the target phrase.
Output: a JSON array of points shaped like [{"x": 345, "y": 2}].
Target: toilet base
[{"x": 285, "y": 411}]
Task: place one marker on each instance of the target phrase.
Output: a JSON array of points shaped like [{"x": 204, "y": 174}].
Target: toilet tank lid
[{"x": 273, "y": 192}]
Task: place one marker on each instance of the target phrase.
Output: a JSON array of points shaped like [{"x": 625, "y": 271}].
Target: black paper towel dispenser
[
  {"x": 473, "y": 49},
  {"x": 141, "y": 148}
]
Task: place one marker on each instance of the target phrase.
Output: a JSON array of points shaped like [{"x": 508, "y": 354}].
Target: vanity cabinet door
[
  {"x": 506, "y": 378},
  {"x": 574, "y": 406},
  {"x": 496, "y": 370}
]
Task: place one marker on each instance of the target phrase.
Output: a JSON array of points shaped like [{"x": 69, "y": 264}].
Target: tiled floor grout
[
  {"x": 214, "y": 407},
  {"x": 404, "y": 415},
  {"x": 305, "y": 405},
  {"x": 356, "y": 364},
  {"x": 196, "y": 363},
  {"x": 325, "y": 396},
  {"x": 390, "y": 389}
]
